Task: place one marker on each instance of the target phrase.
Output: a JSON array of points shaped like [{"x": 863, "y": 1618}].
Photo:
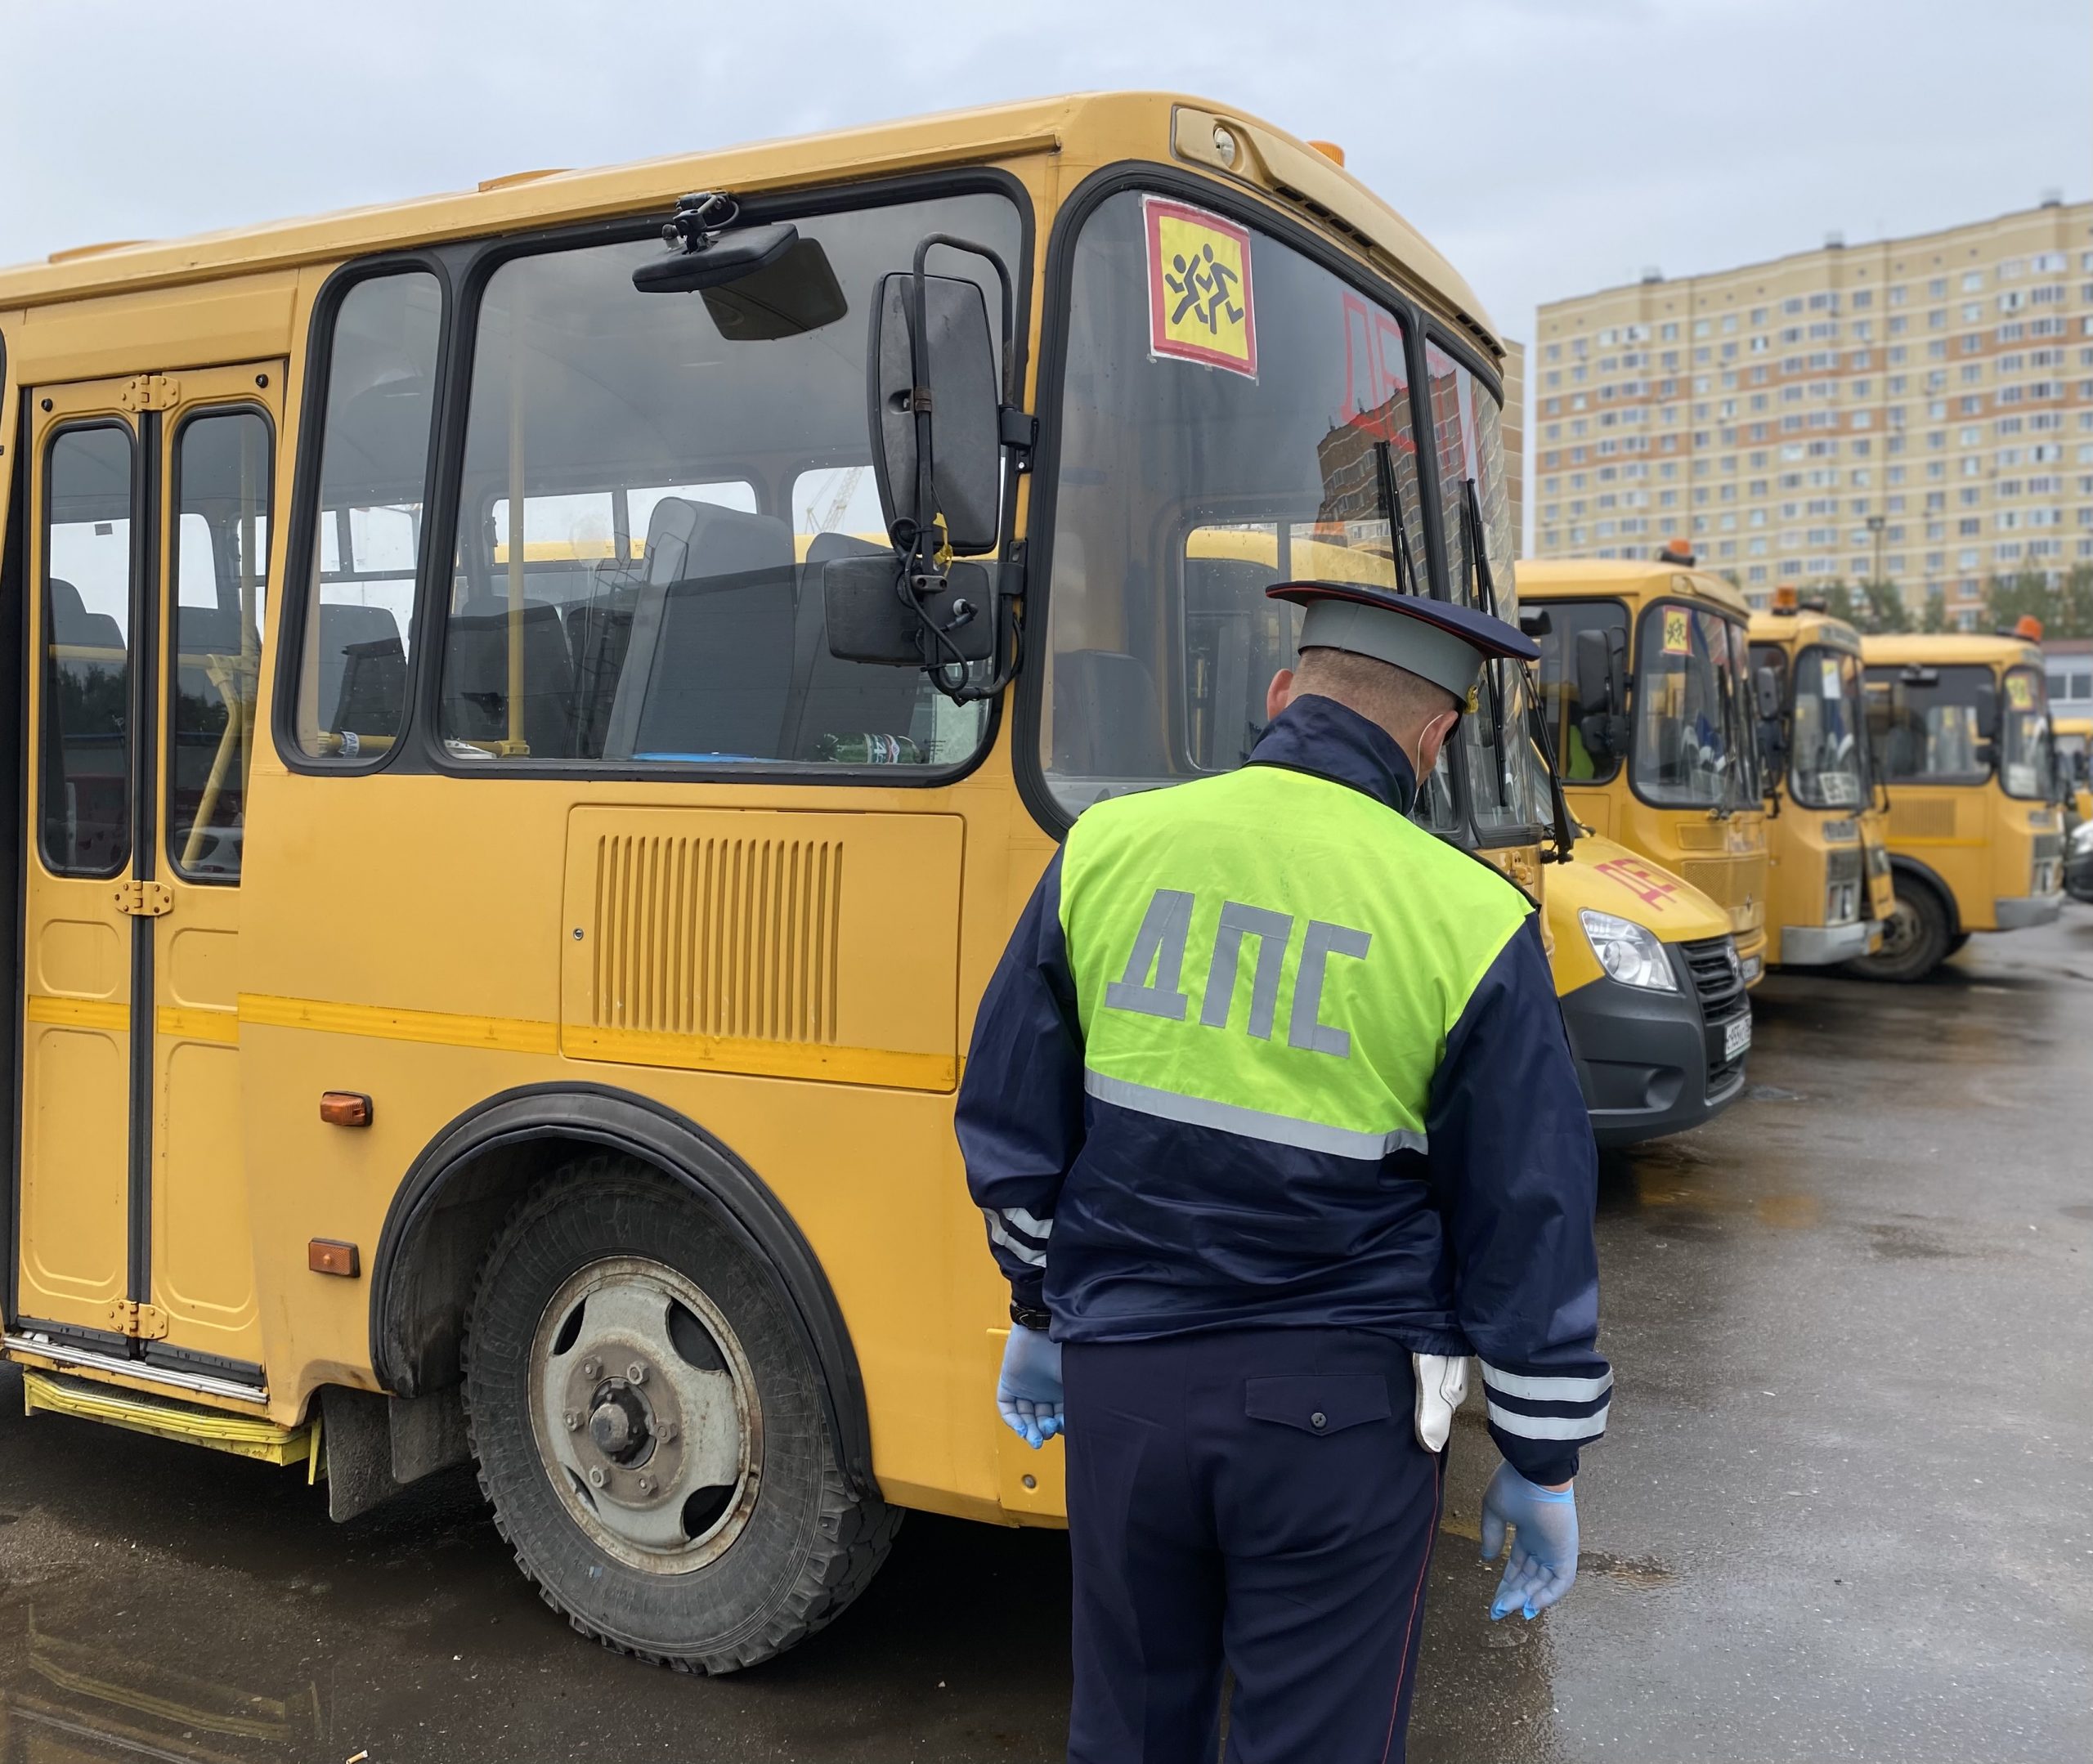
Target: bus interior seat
[
  {"x": 360, "y": 651},
  {"x": 830, "y": 696},
  {"x": 709, "y": 669},
  {"x": 476, "y": 676},
  {"x": 1107, "y": 716},
  {"x": 71, "y": 623}
]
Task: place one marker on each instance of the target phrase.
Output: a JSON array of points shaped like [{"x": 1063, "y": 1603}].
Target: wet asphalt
[{"x": 1846, "y": 1508}]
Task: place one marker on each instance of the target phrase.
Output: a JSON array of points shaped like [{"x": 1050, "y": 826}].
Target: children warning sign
[
  {"x": 1201, "y": 305},
  {"x": 1678, "y": 639},
  {"x": 2018, "y": 693}
]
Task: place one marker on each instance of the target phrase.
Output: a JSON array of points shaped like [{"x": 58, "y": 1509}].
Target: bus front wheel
[
  {"x": 649, "y": 1429},
  {"x": 1915, "y": 939}
]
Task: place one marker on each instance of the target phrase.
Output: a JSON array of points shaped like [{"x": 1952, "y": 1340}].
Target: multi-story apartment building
[
  {"x": 1917, "y": 411},
  {"x": 1515, "y": 438}
]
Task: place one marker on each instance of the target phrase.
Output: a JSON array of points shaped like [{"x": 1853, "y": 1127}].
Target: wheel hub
[
  {"x": 620, "y": 1426},
  {"x": 645, "y": 1415}
]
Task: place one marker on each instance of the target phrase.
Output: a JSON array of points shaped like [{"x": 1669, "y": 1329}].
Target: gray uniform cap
[{"x": 1430, "y": 651}]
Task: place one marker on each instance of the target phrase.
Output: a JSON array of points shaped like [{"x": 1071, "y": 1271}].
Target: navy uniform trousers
[{"x": 1256, "y": 1500}]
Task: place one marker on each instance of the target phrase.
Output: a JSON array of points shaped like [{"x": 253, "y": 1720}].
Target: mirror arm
[
  {"x": 1017, "y": 429},
  {"x": 1003, "y": 277}
]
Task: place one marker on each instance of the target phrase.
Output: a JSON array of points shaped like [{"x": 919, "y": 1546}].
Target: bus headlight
[
  {"x": 1631, "y": 953},
  {"x": 2082, "y": 840}
]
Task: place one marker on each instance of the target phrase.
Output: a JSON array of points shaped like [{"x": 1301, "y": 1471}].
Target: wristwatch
[{"x": 1026, "y": 1317}]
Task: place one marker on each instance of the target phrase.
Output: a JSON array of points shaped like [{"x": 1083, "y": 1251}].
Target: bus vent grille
[
  {"x": 726, "y": 936},
  {"x": 1921, "y": 818}
]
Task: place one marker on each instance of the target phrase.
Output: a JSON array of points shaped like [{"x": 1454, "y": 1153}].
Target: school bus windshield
[
  {"x": 1233, "y": 414},
  {"x": 1830, "y": 753},
  {"x": 1692, "y": 713}
]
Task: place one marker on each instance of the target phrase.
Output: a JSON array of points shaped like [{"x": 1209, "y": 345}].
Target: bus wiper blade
[
  {"x": 1392, "y": 506},
  {"x": 1478, "y": 557},
  {"x": 1476, "y": 568}
]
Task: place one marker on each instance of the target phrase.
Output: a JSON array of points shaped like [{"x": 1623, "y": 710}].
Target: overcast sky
[{"x": 1548, "y": 147}]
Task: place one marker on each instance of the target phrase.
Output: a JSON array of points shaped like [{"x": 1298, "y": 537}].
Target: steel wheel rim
[{"x": 659, "y": 1471}]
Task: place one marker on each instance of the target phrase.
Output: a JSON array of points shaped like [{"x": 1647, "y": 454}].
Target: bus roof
[
  {"x": 1091, "y": 129},
  {"x": 1803, "y": 626},
  {"x": 1939, "y": 648},
  {"x": 2072, "y": 726},
  {"x": 1571, "y": 578}
]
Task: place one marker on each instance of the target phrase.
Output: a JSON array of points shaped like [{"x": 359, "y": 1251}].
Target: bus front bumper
[
  {"x": 2028, "y": 910},
  {"x": 1648, "y": 1063},
  {"x": 1817, "y": 946}
]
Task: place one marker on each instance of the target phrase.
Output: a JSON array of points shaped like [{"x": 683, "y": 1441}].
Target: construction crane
[{"x": 823, "y": 519}]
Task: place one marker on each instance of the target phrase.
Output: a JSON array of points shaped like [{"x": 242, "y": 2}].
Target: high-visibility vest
[{"x": 1275, "y": 955}]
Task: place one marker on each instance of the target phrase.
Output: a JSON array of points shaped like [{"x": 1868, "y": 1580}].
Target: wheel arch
[
  {"x": 471, "y": 1174},
  {"x": 1899, "y": 864}
]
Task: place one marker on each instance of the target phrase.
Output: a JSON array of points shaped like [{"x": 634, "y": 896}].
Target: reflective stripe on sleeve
[
  {"x": 1549, "y": 1426},
  {"x": 1024, "y": 1251},
  {"x": 1546, "y": 1390},
  {"x": 1251, "y": 1123},
  {"x": 1041, "y": 1229}
]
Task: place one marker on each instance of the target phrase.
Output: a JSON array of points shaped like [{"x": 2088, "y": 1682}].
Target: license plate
[{"x": 1737, "y": 1037}]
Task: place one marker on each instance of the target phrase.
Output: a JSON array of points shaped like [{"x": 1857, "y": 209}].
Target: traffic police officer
[{"x": 1271, "y": 1115}]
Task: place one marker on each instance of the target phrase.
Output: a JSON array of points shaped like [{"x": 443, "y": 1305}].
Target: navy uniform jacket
[{"x": 1474, "y": 1236}]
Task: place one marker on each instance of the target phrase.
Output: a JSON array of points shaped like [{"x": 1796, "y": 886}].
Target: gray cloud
[{"x": 1547, "y": 146}]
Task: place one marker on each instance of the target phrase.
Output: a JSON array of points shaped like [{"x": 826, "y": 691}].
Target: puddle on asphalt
[
  {"x": 1629, "y": 1570},
  {"x": 1913, "y": 1243},
  {"x": 65, "y": 1687},
  {"x": 1676, "y": 1186}
]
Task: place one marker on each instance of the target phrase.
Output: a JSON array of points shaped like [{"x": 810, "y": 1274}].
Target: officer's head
[
  {"x": 1417, "y": 714},
  {"x": 1408, "y": 662}
]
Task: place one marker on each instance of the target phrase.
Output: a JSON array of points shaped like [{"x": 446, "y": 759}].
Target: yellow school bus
[
  {"x": 505, "y": 866},
  {"x": 1959, "y": 725},
  {"x": 1645, "y": 965},
  {"x": 1646, "y": 670},
  {"x": 1828, "y": 885}
]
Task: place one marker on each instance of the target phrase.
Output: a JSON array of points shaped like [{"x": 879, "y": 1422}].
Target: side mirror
[
  {"x": 936, "y": 409},
  {"x": 1986, "y": 708},
  {"x": 1594, "y": 672},
  {"x": 1772, "y": 749},
  {"x": 1601, "y": 664},
  {"x": 1766, "y": 687},
  {"x": 872, "y": 615}
]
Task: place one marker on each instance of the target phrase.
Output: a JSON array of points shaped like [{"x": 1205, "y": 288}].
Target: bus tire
[
  {"x": 1955, "y": 943},
  {"x": 1915, "y": 939},
  {"x": 695, "y": 1515}
]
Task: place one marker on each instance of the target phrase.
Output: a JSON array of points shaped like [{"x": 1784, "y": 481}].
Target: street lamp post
[{"x": 1875, "y": 534}]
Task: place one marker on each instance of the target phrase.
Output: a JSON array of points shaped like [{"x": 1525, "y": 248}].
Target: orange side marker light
[{"x": 345, "y": 1108}]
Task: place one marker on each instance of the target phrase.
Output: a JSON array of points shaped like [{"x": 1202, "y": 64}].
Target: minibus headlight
[
  {"x": 1630, "y": 952},
  {"x": 2082, "y": 840}
]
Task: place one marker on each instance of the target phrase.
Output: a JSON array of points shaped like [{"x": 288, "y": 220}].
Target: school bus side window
[
  {"x": 222, "y": 560},
  {"x": 88, "y": 560},
  {"x": 648, "y": 479},
  {"x": 351, "y": 697}
]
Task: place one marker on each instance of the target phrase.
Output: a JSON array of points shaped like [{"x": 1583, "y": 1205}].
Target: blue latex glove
[
  {"x": 1542, "y": 1559},
  {"x": 1029, "y": 1388}
]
